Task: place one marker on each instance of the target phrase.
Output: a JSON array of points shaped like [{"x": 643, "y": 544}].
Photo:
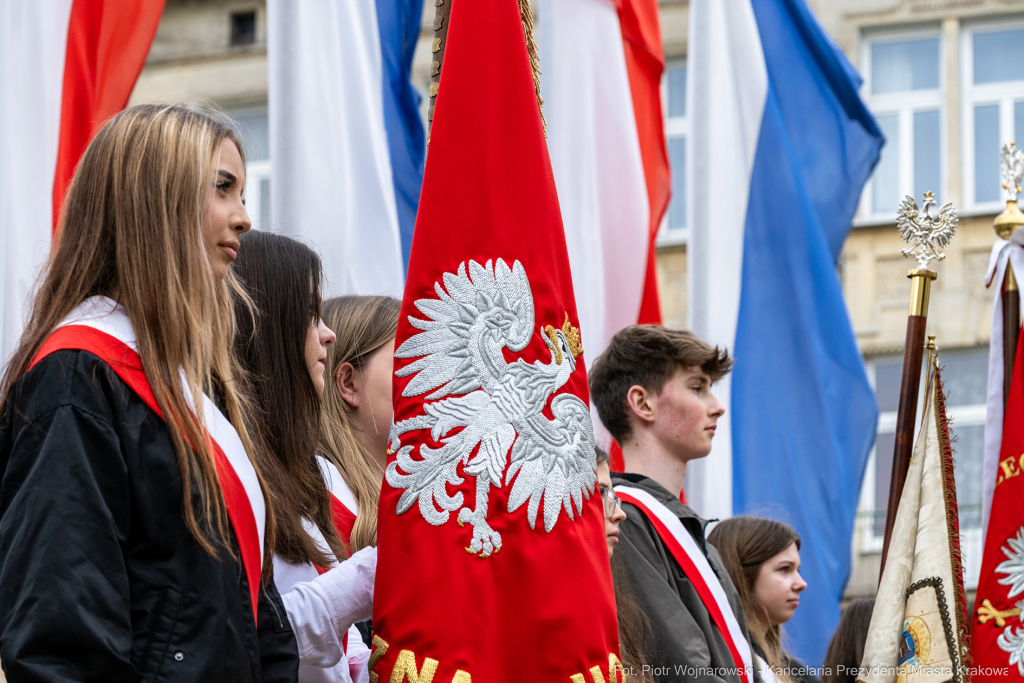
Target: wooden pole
[
  {"x": 906, "y": 416},
  {"x": 441, "y": 14},
  {"x": 1011, "y": 327}
]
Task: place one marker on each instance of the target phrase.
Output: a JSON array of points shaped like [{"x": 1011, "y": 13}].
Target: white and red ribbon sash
[
  {"x": 698, "y": 570},
  {"x": 116, "y": 345},
  {"x": 343, "y": 503}
]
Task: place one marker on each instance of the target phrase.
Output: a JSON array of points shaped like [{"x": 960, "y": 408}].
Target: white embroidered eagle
[{"x": 493, "y": 404}]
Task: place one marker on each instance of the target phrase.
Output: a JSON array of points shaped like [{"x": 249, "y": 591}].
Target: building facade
[{"x": 944, "y": 78}]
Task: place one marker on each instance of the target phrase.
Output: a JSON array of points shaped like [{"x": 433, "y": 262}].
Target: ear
[
  {"x": 345, "y": 380},
  {"x": 640, "y": 405}
]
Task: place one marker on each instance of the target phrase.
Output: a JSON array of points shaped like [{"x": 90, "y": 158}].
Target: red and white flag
[
  {"x": 997, "y": 635},
  {"x": 492, "y": 562},
  {"x": 602, "y": 62},
  {"x": 66, "y": 66}
]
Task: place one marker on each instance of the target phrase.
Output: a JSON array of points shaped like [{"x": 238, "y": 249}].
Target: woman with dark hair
[
  {"x": 846, "y": 650},
  {"x": 285, "y": 352},
  {"x": 634, "y": 629},
  {"x": 762, "y": 557},
  {"x": 132, "y": 510}
]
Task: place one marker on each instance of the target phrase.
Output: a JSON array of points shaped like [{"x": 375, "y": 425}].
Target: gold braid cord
[{"x": 526, "y": 14}]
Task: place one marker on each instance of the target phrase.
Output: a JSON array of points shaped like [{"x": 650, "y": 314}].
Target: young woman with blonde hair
[
  {"x": 357, "y": 409},
  {"x": 132, "y": 523},
  {"x": 284, "y": 349},
  {"x": 762, "y": 557}
]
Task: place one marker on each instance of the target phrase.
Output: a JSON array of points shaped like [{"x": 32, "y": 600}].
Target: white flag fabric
[
  {"x": 33, "y": 37},
  {"x": 332, "y": 182},
  {"x": 595, "y": 153},
  {"x": 918, "y": 628}
]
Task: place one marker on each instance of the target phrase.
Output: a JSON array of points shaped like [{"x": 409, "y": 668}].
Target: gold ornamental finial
[{"x": 1011, "y": 161}]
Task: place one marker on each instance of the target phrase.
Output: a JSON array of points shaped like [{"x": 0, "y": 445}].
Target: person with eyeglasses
[
  {"x": 634, "y": 628},
  {"x": 613, "y": 513}
]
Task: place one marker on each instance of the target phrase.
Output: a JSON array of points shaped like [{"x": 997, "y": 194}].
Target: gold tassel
[{"x": 526, "y": 15}]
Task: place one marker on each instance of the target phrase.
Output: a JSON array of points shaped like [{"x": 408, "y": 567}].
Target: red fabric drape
[{"x": 108, "y": 41}]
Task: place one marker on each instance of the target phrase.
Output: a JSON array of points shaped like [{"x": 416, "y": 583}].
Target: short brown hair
[{"x": 648, "y": 356}]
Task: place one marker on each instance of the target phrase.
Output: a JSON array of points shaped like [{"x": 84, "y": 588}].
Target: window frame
[
  {"x": 904, "y": 104},
  {"x": 676, "y": 127},
  {"x": 1004, "y": 94}
]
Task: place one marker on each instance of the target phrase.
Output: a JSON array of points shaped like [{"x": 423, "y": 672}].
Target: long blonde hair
[
  {"x": 131, "y": 228},
  {"x": 362, "y": 324}
]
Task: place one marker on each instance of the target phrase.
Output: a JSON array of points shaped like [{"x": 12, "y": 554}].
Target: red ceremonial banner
[
  {"x": 492, "y": 563},
  {"x": 997, "y": 635}
]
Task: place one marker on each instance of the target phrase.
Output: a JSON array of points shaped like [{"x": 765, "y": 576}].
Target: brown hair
[
  {"x": 648, "y": 356},
  {"x": 746, "y": 543},
  {"x": 847, "y": 647},
  {"x": 145, "y": 180},
  {"x": 283, "y": 278},
  {"x": 363, "y": 324}
]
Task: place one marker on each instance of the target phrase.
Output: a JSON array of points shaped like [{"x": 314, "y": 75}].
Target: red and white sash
[
  {"x": 102, "y": 327},
  {"x": 698, "y": 570},
  {"x": 343, "y": 503}
]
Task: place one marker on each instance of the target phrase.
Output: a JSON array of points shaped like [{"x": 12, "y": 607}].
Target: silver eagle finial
[
  {"x": 925, "y": 233},
  {"x": 1011, "y": 161}
]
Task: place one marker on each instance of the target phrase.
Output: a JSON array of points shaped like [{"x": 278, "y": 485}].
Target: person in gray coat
[{"x": 652, "y": 391}]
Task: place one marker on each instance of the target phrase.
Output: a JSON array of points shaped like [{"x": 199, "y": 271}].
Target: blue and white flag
[
  {"x": 347, "y": 144},
  {"x": 780, "y": 146}
]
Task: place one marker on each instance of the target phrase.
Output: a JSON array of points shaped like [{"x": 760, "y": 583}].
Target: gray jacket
[{"x": 687, "y": 644}]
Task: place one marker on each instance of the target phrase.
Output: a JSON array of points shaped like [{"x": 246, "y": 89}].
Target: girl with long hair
[
  {"x": 762, "y": 557},
  {"x": 285, "y": 352},
  {"x": 357, "y": 409},
  {"x": 634, "y": 628},
  {"x": 132, "y": 521}
]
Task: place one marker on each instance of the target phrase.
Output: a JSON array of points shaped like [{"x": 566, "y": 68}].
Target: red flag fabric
[
  {"x": 997, "y": 635},
  {"x": 492, "y": 564},
  {"x": 108, "y": 41},
  {"x": 645, "y": 62}
]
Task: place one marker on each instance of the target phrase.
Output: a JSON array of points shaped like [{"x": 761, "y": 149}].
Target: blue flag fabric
[
  {"x": 399, "y": 25},
  {"x": 804, "y": 414}
]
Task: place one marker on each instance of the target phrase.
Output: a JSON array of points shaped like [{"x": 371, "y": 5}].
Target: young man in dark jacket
[{"x": 652, "y": 390}]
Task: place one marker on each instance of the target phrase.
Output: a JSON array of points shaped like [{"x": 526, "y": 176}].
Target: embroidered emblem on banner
[{"x": 478, "y": 399}]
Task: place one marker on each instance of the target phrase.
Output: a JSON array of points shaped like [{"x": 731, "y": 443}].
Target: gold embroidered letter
[
  {"x": 461, "y": 677},
  {"x": 578, "y": 678},
  {"x": 614, "y": 665},
  {"x": 380, "y": 646},
  {"x": 405, "y": 667}
]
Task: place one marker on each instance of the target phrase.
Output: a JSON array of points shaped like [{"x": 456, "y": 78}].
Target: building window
[
  {"x": 251, "y": 124},
  {"x": 965, "y": 378},
  {"x": 993, "y": 106},
  {"x": 903, "y": 88},
  {"x": 243, "y": 28},
  {"x": 674, "y": 226}
]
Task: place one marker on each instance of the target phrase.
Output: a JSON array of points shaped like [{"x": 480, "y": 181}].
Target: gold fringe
[
  {"x": 952, "y": 520},
  {"x": 526, "y": 15}
]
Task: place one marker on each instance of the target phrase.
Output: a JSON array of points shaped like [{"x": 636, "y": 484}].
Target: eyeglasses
[{"x": 610, "y": 500}]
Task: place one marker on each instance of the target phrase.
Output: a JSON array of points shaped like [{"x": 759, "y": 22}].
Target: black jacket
[
  {"x": 687, "y": 644},
  {"x": 100, "y": 579}
]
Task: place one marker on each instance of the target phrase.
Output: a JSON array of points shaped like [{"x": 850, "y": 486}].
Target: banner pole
[
  {"x": 926, "y": 234},
  {"x": 906, "y": 416},
  {"x": 1011, "y": 162}
]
